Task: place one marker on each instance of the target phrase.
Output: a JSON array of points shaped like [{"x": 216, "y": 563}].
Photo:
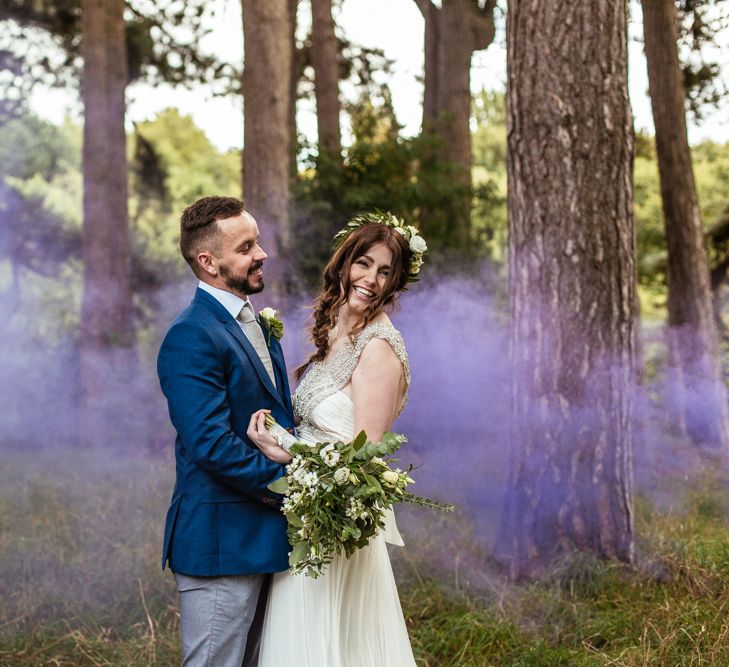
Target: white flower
[
  {"x": 268, "y": 313},
  {"x": 311, "y": 479},
  {"x": 418, "y": 244},
  {"x": 390, "y": 477},
  {"x": 329, "y": 455},
  {"x": 378, "y": 461},
  {"x": 341, "y": 475},
  {"x": 399, "y": 230}
]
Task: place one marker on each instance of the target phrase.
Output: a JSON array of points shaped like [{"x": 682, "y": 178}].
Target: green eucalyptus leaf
[
  {"x": 294, "y": 519},
  {"x": 281, "y": 485},
  {"x": 360, "y": 440},
  {"x": 299, "y": 552}
]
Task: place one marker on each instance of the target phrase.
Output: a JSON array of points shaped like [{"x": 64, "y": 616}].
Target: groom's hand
[{"x": 260, "y": 437}]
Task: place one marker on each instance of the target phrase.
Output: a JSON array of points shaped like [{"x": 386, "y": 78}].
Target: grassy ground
[{"x": 80, "y": 582}]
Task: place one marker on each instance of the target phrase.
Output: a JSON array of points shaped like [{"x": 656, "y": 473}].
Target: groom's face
[{"x": 240, "y": 259}]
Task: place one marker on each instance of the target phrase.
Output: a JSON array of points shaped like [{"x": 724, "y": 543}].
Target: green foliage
[
  {"x": 40, "y": 195},
  {"x": 381, "y": 170},
  {"x": 490, "y": 220},
  {"x": 711, "y": 171},
  {"x": 701, "y": 23},
  {"x": 173, "y": 164}
]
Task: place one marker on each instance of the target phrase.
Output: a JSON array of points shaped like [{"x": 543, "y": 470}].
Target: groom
[{"x": 224, "y": 531}]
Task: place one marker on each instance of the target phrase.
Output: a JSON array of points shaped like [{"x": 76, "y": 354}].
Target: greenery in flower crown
[{"x": 418, "y": 246}]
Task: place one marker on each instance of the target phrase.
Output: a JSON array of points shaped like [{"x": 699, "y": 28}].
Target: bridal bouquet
[{"x": 336, "y": 494}]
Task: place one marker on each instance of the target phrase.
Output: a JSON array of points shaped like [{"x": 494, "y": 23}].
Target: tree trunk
[
  {"x": 267, "y": 136},
  {"x": 572, "y": 284},
  {"x": 453, "y": 32},
  {"x": 325, "y": 59},
  {"x": 107, "y": 328},
  {"x": 294, "y": 75},
  {"x": 691, "y": 329}
]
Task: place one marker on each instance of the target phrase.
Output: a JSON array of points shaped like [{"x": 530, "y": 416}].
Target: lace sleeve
[{"x": 392, "y": 336}]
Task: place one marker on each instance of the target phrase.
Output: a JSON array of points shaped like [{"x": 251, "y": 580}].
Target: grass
[{"x": 80, "y": 582}]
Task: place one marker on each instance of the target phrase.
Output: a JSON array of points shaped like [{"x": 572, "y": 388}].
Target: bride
[{"x": 358, "y": 380}]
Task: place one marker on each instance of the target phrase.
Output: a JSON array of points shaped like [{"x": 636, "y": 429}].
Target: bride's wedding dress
[{"x": 351, "y": 615}]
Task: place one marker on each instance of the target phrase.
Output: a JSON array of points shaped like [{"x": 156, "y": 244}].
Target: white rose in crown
[{"x": 418, "y": 244}]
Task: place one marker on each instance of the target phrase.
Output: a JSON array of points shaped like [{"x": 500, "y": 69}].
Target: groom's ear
[{"x": 207, "y": 263}]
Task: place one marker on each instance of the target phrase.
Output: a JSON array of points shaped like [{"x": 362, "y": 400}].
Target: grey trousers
[{"x": 221, "y": 619}]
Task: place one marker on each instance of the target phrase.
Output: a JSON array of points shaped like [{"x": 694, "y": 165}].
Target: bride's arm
[{"x": 377, "y": 389}]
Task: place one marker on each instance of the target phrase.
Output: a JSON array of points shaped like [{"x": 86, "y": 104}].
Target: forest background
[{"x": 91, "y": 276}]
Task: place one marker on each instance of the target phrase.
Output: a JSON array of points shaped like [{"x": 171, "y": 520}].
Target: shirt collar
[{"x": 231, "y": 302}]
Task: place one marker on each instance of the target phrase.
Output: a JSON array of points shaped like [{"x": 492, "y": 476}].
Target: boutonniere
[{"x": 274, "y": 326}]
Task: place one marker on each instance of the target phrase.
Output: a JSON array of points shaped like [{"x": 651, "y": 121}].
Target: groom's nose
[{"x": 260, "y": 255}]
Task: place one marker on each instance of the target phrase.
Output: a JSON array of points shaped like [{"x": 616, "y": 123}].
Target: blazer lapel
[
  {"x": 221, "y": 314},
  {"x": 279, "y": 365}
]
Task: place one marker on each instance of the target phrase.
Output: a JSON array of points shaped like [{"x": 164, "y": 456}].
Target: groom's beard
[{"x": 239, "y": 284}]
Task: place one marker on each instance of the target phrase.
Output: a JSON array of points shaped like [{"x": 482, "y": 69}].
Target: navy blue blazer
[{"x": 222, "y": 519}]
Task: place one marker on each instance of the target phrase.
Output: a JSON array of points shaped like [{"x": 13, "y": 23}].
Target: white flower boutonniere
[{"x": 274, "y": 326}]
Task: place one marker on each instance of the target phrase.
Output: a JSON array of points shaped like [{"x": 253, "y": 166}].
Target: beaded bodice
[{"x": 328, "y": 377}]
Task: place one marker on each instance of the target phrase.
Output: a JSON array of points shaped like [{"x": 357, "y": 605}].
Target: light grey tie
[{"x": 255, "y": 336}]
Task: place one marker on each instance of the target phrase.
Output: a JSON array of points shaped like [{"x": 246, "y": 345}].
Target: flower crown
[{"x": 418, "y": 246}]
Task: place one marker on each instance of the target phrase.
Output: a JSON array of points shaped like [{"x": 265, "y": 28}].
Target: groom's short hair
[{"x": 199, "y": 227}]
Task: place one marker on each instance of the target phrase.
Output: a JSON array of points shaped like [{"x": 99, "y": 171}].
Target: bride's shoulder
[
  {"x": 379, "y": 327},
  {"x": 378, "y": 336}
]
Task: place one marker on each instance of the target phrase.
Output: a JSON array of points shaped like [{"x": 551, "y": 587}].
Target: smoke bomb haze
[{"x": 457, "y": 421}]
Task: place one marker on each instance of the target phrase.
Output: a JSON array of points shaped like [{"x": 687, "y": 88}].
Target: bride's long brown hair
[{"x": 335, "y": 284}]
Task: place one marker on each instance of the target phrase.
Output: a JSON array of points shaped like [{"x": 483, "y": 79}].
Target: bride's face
[{"x": 368, "y": 275}]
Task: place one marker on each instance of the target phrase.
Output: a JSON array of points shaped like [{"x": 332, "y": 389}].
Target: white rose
[
  {"x": 329, "y": 455},
  {"x": 400, "y": 231},
  {"x": 341, "y": 475},
  {"x": 332, "y": 458},
  {"x": 270, "y": 313},
  {"x": 378, "y": 461},
  {"x": 418, "y": 244},
  {"x": 390, "y": 477}
]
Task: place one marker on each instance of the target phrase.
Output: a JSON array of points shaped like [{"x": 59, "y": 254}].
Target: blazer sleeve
[{"x": 192, "y": 376}]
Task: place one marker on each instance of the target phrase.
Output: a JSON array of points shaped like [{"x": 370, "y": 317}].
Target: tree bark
[
  {"x": 453, "y": 32},
  {"x": 691, "y": 329},
  {"x": 325, "y": 59},
  {"x": 294, "y": 76},
  {"x": 572, "y": 284},
  {"x": 267, "y": 135},
  {"x": 107, "y": 327}
]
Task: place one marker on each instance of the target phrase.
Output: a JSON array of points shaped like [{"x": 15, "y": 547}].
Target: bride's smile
[{"x": 368, "y": 276}]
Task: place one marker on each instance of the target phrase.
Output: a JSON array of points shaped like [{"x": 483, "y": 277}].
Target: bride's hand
[{"x": 262, "y": 439}]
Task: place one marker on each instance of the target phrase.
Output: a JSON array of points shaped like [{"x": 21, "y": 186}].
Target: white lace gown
[{"x": 351, "y": 615}]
